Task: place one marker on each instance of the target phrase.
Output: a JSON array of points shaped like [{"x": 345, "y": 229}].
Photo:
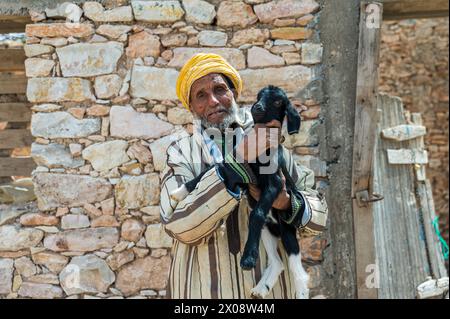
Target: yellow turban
[{"x": 200, "y": 65}]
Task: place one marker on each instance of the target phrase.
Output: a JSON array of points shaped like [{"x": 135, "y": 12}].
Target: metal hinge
[{"x": 363, "y": 199}]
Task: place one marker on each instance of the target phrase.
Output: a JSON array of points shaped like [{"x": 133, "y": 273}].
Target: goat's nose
[{"x": 258, "y": 107}]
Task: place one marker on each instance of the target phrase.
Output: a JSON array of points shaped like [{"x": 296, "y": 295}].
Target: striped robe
[{"x": 210, "y": 227}]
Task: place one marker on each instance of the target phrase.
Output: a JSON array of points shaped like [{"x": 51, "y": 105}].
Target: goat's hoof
[
  {"x": 259, "y": 292},
  {"x": 256, "y": 296},
  {"x": 248, "y": 263}
]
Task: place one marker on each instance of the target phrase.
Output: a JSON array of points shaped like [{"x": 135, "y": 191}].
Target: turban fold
[{"x": 200, "y": 65}]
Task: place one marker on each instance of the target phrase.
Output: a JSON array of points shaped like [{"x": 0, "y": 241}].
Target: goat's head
[{"x": 273, "y": 104}]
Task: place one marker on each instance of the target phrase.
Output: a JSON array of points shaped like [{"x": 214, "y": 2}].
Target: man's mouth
[{"x": 216, "y": 113}]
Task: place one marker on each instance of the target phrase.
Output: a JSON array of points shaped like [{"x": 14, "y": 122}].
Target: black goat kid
[
  {"x": 265, "y": 222},
  {"x": 272, "y": 104}
]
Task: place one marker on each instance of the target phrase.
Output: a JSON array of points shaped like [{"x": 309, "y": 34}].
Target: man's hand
[
  {"x": 282, "y": 202},
  {"x": 258, "y": 140}
]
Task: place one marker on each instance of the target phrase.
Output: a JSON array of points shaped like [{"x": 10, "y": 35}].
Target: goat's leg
[
  {"x": 257, "y": 219},
  {"x": 274, "y": 265},
  {"x": 301, "y": 277}
]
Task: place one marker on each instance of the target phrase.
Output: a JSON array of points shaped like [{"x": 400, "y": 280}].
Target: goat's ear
[{"x": 293, "y": 119}]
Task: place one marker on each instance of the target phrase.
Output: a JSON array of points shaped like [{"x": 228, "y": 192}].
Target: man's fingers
[{"x": 274, "y": 123}]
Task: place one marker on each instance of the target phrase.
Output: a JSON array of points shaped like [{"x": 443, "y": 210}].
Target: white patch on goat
[
  {"x": 179, "y": 194},
  {"x": 274, "y": 265},
  {"x": 301, "y": 277}
]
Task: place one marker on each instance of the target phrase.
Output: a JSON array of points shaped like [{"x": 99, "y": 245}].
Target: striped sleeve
[
  {"x": 312, "y": 203},
  {"x": 191, "y": 220}
]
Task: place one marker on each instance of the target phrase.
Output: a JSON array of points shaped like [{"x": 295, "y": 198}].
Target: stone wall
[
  {"x": 104, "y": 112},
  {"x": 414, "y": 66}
]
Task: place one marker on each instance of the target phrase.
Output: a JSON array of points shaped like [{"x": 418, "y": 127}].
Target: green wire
[{"x": 444, "y": 244}]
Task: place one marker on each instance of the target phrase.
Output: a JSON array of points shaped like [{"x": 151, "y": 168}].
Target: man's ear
[{"x": 293, "y": 119}]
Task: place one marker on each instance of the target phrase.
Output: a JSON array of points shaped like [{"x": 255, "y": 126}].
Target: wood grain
[
  {"x": 14, "y": 138},
  {"x": 16, "y": 166},
  {"x": 15, "y": 112},
  {"x": 364, "y": 145}
]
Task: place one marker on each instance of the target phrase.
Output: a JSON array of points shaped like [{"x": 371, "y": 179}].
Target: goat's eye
[{"x": 278, "y": 103}]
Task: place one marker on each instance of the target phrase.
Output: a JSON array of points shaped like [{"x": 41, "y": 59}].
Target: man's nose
[{"x": 213, "y": 101}]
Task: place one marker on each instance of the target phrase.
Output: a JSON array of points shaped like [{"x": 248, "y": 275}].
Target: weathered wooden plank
[
  {"x": 12, "y": 83},
  {"x": 15, "y": 112},
  {"x": 425, "y": 203},
  {"x": 11, "y": 27},
  {"x": 383, "y": 215},
  {"x": 407, "y": 156},
  {"x": 8, "y": 18},
  {"x": 426, "y": 206},
  {"x": 15, "y": 138},
  {"x": 419, "y": 143},
  {"x": 13, "y": 23},
  {"x": 400, "y": 244},
  {"x": 404, "y": 132},
  {"x": 421, "y": 174},
  {"x": 12, "y": 60},
  {"x": 364, "y": 142},
  {"x": 410, "y": 9},
  {"x": 433, "y": 288},
  {"x": 428, "y": 214},
  {"x": 16, "y": 166}
]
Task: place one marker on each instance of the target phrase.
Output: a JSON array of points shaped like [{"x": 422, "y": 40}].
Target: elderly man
[{"x": 210, "y": 225}]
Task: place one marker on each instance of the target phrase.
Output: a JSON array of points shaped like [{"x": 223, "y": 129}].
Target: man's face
[{"x": 211, "y": 99}]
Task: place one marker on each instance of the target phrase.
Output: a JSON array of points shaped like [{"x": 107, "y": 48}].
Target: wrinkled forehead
[{"x": 208, "y": 80}]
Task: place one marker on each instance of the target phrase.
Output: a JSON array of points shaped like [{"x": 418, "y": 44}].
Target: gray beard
[{"x": 227, "y": 121}]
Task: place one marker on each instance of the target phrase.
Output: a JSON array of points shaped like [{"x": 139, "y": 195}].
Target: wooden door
[{"x": 407, "y": 249}]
